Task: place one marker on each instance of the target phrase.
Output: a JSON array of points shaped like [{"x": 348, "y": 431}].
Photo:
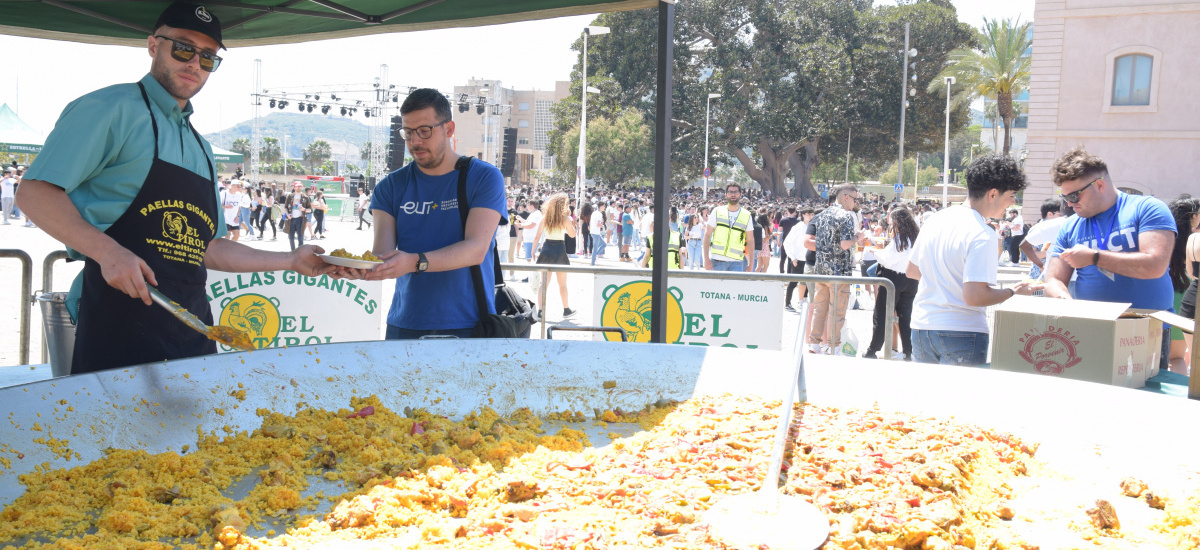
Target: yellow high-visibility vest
[
  {"x": 672, "y": 250},
  {"x": 729, "y": 237}
]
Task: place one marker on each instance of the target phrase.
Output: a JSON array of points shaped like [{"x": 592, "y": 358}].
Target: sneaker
[
  {"x": 789, "y": 308},
  {"x": 815, "y": 348},
  {"x": 525, "y": 280},
  {"x": 568, "y": 313},
  {"x": 870, "y": 355},
  {"x": 899, "y": 355}
]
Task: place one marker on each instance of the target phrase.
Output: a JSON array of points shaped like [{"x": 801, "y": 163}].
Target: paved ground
[{"x": 341, "y": 234}]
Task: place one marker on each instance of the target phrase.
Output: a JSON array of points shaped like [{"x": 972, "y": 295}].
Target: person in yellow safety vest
[
  {"x": 729, "y": 237},
  {"x": 672, "y": 249}
]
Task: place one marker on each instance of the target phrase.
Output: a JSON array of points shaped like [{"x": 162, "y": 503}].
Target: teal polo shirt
[{"x": 102, "y": 147}]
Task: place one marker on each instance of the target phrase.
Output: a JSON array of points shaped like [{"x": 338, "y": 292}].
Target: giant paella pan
[{"x": 553, "y": 444}]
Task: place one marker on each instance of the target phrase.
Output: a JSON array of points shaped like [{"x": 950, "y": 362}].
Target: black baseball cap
[{"x": 193, "y": 17}]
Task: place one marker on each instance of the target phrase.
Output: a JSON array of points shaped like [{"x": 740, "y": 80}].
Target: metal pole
[
  {"x": 707, "y": 107},
  {"x": 946, "y": 162},
  {"x": 27, "y": 300},
  {"x": 581, "y": 181},
  {"x": 903, "y": 106},
  {"x": 849, "y": 136},
  {"x": 662, "y": 171},
  {"x": 255, "y": 132}
]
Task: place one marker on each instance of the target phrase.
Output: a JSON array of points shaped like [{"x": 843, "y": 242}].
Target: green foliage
[
  {"x": 619, "y": 150},
  {"x": 241, "y": 145},
  {"x": 795, "y": 77},
  {"x": 316, "y": 154},
  {"x": 302, "y": 127},
  {"x": 996, "y": 67},
  {"x": 929, "y": 175},
  {"x": 833, "y": 170},
  {"x": 270, "y": 152}
]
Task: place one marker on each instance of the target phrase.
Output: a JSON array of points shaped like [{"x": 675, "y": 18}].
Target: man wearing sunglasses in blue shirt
[
  {"x": 1118, "y": 244},
  {"x": 130, "y": 187}
]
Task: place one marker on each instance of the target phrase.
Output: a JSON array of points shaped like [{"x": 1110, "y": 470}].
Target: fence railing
[
  {"x": 890, "y": 303},
  {"x": 25, "y": 301}
]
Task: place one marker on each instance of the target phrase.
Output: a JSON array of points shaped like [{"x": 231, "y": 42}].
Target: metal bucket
[{"x": 58, "y": 331}]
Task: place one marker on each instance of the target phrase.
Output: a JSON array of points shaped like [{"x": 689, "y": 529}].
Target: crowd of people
[{"x": 942, "y": 262}]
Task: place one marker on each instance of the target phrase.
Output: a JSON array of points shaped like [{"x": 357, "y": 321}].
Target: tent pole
[{"x": 662, "y": 171}]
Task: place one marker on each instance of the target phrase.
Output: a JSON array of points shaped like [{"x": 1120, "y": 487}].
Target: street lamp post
[
  {"x": 283, "y": 153},
  {"x": 946, "y": 163},
  {"x": 581, "y": 161},
  {"x": 707, "y": 108},
  {"x": 904, "y": 91}
]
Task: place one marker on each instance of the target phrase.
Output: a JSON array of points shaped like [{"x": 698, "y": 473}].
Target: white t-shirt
[
  {"x": 7, "y": 190},
  {"x": 793, "y": 245},
  {"x": 245, "y": 200},
  {"x": 596, "y": 224},
  {"x": 1045, "y": 231},
  {"x": 895, "y": 260},
  {"x": 955, "y": 246},
  {"x": 1017, "y": 226},
  {"x": 529, "y": 230},
  {"x": 231, "y": 202}
]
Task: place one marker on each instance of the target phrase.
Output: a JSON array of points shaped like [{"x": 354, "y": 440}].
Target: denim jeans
[
  {"x": 598, "y": 247},
  {"x": 528, "y": 247},
  {"x": 722, "y": 265},
  {"x": 244, "y": 220},
  {"x": 396, "y": 333},
  {"x": 695, "y": 254},
  {"x": 950, "y": 347}
]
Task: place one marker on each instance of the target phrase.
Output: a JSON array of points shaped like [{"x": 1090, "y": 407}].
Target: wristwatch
[
  {"x": 1096, "y": 258},
  {"x": 422, "y": 263}
]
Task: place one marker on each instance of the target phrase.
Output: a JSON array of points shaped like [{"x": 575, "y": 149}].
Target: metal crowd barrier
[
  {"x": 545, "y": 269},
  {"x": 26, "y": 298}
]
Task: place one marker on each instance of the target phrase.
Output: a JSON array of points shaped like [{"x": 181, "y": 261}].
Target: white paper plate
[{"x": 349, "y": 262}]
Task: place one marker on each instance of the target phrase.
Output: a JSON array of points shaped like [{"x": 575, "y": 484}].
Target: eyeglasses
[
  {"x": 184, "y": 52},
  {"x": 1074, "y": 196},
  {"x": 423, "y": 132}
]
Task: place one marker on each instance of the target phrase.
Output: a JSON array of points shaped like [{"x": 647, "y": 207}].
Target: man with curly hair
[
  {"x": 954, "y": 258},
  {"x": 1118, "y": 245}
]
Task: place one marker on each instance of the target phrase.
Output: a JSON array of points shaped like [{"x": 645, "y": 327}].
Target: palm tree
[
  {"x": 317, "y": 153},
  {"x": 241, "y": 146},
  {"x": 998, "y": 69},
  {"x": 270, "y": 152}
]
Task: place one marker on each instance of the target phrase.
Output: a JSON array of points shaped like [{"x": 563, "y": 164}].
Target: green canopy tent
[
  {"x": 16, "y": 137},
  {"x": 223, "y": 155},
  {"x": 266, "y": 22}
]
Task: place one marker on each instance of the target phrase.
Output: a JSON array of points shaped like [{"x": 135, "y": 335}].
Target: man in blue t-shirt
[
  {"x": 419, "y": 233},
  {"x": 1118, "y": 244}
]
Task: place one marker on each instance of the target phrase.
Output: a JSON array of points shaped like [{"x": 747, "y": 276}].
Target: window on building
[
  {"x": 523, "y": 106},
  {"x": 1131, "y": 79},
  {"x": 522, "y": 141},
  {"x": 522, "y": 124}
]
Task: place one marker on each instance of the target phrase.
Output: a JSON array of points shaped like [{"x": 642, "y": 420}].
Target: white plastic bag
[{"x": 849, "y": 346}]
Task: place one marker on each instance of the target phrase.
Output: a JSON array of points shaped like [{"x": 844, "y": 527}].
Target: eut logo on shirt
[{"x": 427, "y": 207}]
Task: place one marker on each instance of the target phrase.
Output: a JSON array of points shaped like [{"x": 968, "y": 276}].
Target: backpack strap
[{"x": 463, "y": 165}]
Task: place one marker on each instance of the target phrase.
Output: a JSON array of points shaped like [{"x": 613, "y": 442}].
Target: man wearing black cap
[{"x": 129, "y": 186}]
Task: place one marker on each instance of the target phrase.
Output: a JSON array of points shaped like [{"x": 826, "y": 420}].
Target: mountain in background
[{"x": 345, "y": 135}]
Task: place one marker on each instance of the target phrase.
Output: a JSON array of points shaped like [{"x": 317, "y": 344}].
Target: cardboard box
[{"x": 1100, "y": 342}]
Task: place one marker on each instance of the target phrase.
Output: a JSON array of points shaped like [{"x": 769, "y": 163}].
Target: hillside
[{"x": 345, "y": 135}]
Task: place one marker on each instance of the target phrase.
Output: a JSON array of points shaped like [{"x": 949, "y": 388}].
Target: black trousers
[
  {"x": 1014, "y": 248},
  {"x": 906, "y": 291},
  {"x": 786, "y": 263},
  {"x": 296, "y": 231}
]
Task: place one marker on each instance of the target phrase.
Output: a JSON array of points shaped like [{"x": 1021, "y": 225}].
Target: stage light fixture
[
  {"x": 325, "y": 110},
  {"x": 301, "y": 106},
  {"x": 317, "y": 97},
  {"x": 272, "y": 103},
  {"x": 310, "y": 107},
  {"x": 343, "y": 111},
  {"x": 479, "y": 109},
  {"x": 367, "y": 113}
]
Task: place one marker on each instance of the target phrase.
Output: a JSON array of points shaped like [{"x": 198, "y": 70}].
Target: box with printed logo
[{"x": 1100, "y": 342}]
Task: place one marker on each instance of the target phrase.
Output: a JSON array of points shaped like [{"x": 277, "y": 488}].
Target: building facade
[
  {"x": 1117, "y": 77},
  {"x": 490, "y": 108}
]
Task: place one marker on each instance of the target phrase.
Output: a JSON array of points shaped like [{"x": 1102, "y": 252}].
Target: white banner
[
  {"x": 284, "y": 308},
  {"x": 742, "y": 314}
]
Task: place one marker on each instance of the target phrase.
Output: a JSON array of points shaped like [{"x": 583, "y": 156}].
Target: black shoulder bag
[{"x": 514, "y": 315}]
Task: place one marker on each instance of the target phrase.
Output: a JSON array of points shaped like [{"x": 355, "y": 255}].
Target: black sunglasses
[
  {"x": 184, "y": 52},
  {"x": 1074, "y": 196}
]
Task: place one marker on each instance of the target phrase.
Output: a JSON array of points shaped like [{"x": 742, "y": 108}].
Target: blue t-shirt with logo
[
  {"x": 1121, "y": 224},
  {"x": 427, "y": 218},
  {"x": 626, "y": 224}
]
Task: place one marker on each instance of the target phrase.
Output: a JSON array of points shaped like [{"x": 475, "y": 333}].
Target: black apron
[{"x": 168, "y": 225}]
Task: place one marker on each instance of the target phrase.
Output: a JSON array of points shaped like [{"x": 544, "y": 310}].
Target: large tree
[
  {"x": 996, "y": 66},
  {"x": 241, "y": 146},
  {"x": 270, "y": 152},
  {"x": 795, "y": 76},
  {"x": 619, "y": 149}
]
